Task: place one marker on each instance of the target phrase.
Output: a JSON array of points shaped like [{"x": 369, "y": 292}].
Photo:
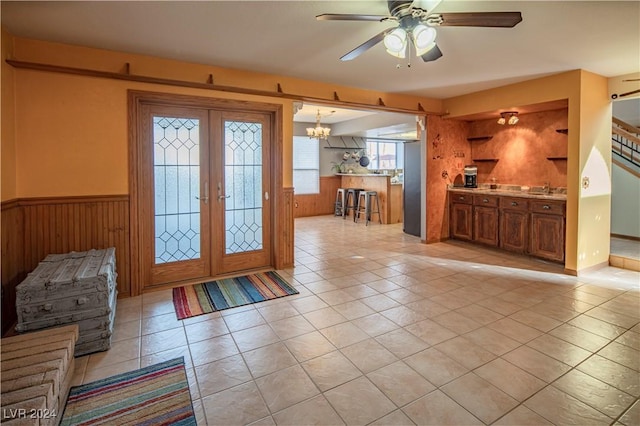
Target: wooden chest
[{"x": 72, "y": 288}]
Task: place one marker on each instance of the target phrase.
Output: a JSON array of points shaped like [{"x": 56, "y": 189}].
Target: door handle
[
  {"x": 205, "y": 198},
  {"x": 221, "y": 196}
]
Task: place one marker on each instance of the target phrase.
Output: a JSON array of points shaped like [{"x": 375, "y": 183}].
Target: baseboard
[
  {"x": 626, "y": 237},
  {"x": 593, "y": 268},
  {"x": 623, "y": 262}
]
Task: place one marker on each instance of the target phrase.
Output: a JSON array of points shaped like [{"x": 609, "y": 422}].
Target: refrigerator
[{"x": 411, "y": 188}]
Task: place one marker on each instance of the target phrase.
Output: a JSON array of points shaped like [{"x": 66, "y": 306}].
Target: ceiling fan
[{"x": 416, "y": 27}]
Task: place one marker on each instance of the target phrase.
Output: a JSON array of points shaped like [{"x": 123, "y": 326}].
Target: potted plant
[{"x": 337, "y": 167}]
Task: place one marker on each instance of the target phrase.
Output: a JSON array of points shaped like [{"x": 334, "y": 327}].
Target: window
[
  {"x": 385, "y": 155},
  {"x": 306, "y": 165}
]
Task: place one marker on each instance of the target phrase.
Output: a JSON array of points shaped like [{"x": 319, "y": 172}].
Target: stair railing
[{"x": 625, "y": 141}]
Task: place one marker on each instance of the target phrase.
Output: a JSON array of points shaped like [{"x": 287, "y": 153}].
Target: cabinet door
[
  {"x": 461, "y": 221},
  {"x": 514, "y": 228},
  {"x": 547, "y": 236},
  {"x": 485, "y": 225}
]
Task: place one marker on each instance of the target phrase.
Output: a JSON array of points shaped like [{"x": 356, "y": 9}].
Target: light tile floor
[{"x": 389, "y": 331}]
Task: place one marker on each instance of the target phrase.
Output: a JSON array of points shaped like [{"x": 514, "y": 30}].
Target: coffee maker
[{"x": 470, "y": 176}]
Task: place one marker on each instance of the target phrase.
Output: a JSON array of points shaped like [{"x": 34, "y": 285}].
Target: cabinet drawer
[
  {"x": 485, "y": 200},
  {"x": 548, "y": 207},
  {"x": 461, "y": 198},
  {"x": 514, "y": 203}
]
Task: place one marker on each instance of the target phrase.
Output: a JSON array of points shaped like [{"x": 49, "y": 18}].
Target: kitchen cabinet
[
  {"x": 514, "y": 224},
  {"x": 461, "y": 216},
  {"x": 485, "y": 220},
  {"x": 548, "y": 229},
  {"x": 526, "y": 224}
]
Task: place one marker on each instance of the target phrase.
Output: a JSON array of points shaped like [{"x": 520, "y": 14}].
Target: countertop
[
  {"x": 363, "y": 174},
  {"x": 509, "y": 193}
]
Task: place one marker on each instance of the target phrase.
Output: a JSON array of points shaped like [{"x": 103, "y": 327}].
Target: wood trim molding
[
  {"x": 380, "y": 106},
  {"x": 72, "y": 199},
  {"x": 9, "y": 204},
  {"x": 626, "y": 237},
  {"x": 588, "y": 270},
  {"x": 285, "y": 242}
]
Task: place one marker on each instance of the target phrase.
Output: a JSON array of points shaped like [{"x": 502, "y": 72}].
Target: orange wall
[
  {"x": 7, "y": 124},
  {"x": 522, "y": 150},
  {"x": 445, "y": 138},
  {"x": 72, "y": 131}
]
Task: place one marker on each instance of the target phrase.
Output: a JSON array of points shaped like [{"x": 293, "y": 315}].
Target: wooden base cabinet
[
  {"x": 514, "y": 224},
  {"x": 485, "y": 225},
  {"x": 521, "y": 225},
  {"x": 461, "y": 220}
]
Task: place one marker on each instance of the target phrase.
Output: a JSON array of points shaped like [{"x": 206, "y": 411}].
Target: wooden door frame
[{"x": 135, "y": 100}]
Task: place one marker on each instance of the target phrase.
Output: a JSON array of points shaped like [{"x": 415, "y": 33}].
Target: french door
[{"x": 205, "y": 196}]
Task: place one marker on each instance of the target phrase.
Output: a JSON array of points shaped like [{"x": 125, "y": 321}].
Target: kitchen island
[{"x": 390, "y": 195}]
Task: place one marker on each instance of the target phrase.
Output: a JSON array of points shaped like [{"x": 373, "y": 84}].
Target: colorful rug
[
  {"x": 199, "y": 299},
  {"x": 154, "y": 395}
]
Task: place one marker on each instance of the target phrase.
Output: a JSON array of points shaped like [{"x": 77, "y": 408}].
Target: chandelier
[{"x": 318, "y": 132}]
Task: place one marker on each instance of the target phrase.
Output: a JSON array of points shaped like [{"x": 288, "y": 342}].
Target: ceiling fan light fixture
[
  {"x": 424, "y": 38},
  {"x": 318, "y": 132},
  {"x": 396, "y": 41}
]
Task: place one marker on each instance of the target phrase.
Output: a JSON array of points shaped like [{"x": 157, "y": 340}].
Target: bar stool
[
  {"x": 351, "y": 202},
  {"x": 368, "y": 197},
  {"x": 339, "y": 205}
]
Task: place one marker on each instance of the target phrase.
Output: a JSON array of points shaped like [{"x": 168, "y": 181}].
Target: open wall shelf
[{"x": 479, "y": 138}]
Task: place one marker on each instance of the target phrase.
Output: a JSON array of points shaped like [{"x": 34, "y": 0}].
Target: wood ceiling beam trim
[{"x": 127, "y": 76}]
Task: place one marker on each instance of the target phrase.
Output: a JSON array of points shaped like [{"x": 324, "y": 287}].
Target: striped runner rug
[
  {"x": 154, "y": 395},
  {"x": 199, "y": 299}
]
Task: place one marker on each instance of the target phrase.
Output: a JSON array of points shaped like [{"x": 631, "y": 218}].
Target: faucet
[{"x": 546, "y": 187}]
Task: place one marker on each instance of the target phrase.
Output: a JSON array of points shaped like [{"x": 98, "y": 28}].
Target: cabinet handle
[
  {"x": 485, "y": 200},
  {"x": 461, "y": 198},
  {"x": 513, "y": 203},
  {"x": 546, "y": 207}
]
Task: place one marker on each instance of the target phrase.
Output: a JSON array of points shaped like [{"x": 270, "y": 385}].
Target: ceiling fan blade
[
  {"x": 364, "y": 46},
  {"x": 476, "y": 19},
  {"x": 432, "y": 54},
  {"x": 347, "y": 17}
]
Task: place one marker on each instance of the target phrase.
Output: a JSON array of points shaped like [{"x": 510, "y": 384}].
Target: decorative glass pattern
[
  {"x": 176, "y": 168},
  {"x": 243, "y": 186}
]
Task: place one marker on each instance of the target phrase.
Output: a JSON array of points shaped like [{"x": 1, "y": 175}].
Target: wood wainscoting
[
  {"x": 318, "y": 204},
  {"x": 35, "y": 227},
  {"x": 13, "y": 270}
]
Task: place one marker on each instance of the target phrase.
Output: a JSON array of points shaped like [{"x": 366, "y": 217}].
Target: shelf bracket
[
  {"x": 279, "y": 88},
  {"x": 335, "y": 96},
  {"x": 210, "y": 79}
]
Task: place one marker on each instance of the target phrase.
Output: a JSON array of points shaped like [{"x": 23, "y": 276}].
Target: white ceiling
[{"x": 284, "y": 38}]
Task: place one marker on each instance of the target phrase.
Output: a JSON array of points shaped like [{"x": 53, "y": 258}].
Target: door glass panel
[
  {"x": 243, "y": 186},
  {"x": 176, "y": 168}
]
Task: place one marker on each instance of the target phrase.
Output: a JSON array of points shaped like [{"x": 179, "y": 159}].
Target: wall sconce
[{"x": 508, "y": 117}]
